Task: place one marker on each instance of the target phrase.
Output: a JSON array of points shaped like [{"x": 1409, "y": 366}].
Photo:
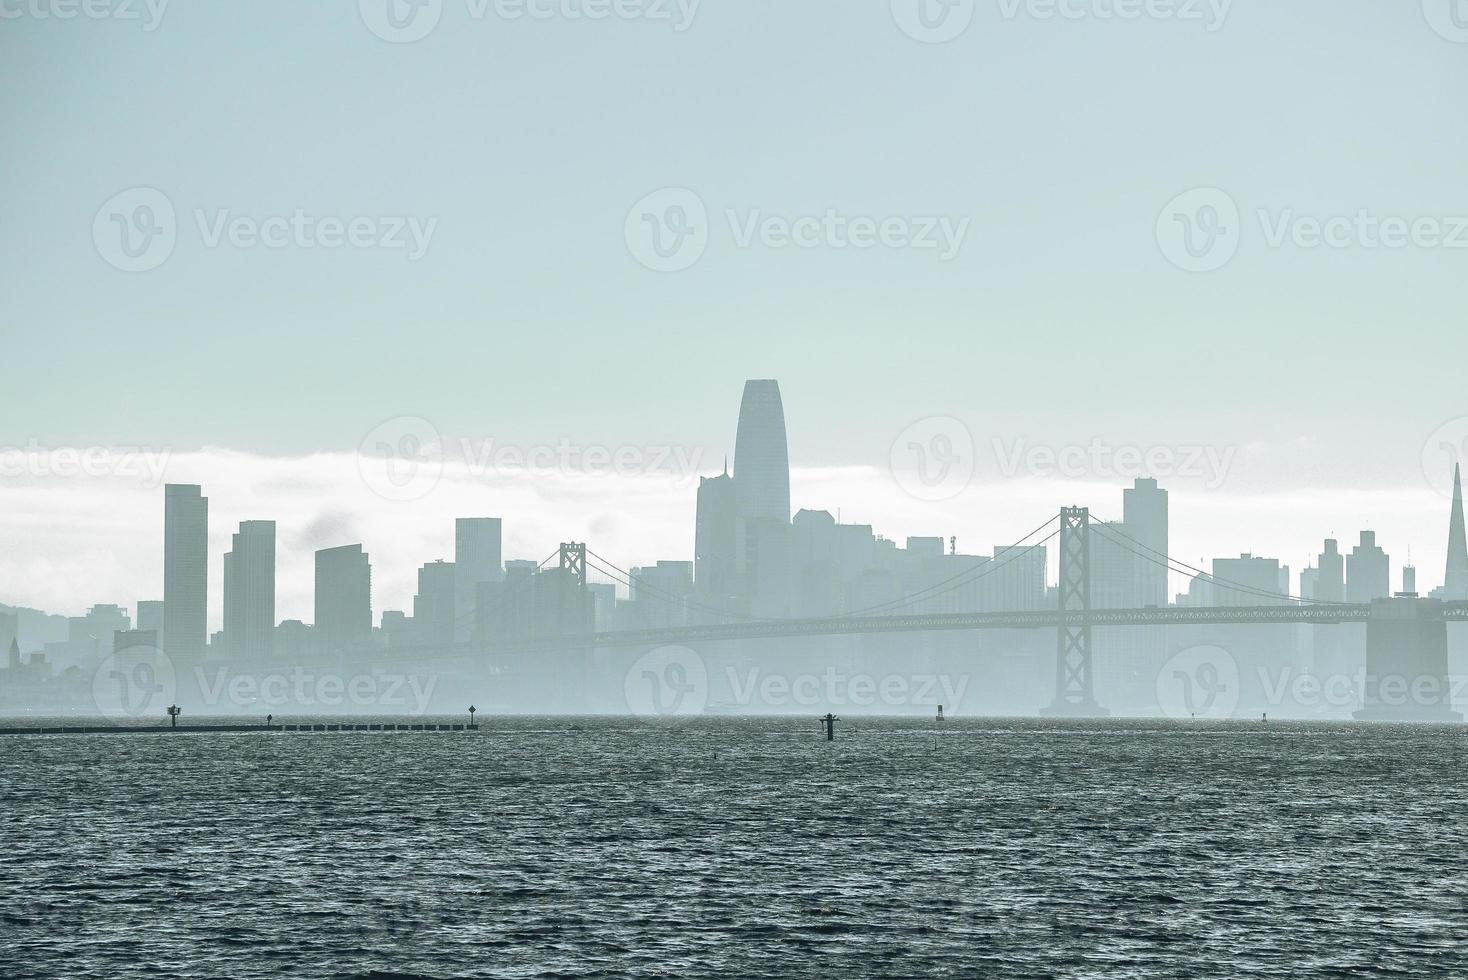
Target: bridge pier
[{"x": 1407, "y": 662}]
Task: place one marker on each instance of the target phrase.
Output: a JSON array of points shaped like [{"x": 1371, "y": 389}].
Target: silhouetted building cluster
[{"x": 752, "y": 561}]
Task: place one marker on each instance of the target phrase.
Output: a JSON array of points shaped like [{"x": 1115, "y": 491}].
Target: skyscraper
[
  {"x": 1368, "y": 571},
  {"x": 714, "y": 539},
  {"x": 185, "y": 570},
  {"x": 249, "y": 592},
  {"x": 659, "y": 594},
  {"x": 343, "y": 599},
  {"x": 1330, "y": 585},
  {"x": 762, "y": 499},
  {"x": 433, "y": 606},
  {"x": 150, "y": 615},
  {"x": 477, "y": 559},
  {"x": 1144, "y": 519},
  {"x": 761, "y": 457},
  {"x": 1455, "y": 582}
]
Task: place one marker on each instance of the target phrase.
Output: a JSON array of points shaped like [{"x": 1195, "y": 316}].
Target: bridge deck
[{"x": 1321, "y": 614}]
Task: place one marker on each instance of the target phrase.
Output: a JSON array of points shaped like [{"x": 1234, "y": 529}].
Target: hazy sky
[{"x": 518, "y": 148}]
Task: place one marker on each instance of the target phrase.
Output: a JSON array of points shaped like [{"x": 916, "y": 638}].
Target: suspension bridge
[{"x": 1073, "y": 615}]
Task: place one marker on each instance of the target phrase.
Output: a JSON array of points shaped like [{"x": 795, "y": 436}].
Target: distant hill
[{"x": 34, "y": 628}]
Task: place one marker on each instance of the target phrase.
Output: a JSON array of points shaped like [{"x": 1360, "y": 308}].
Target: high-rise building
[
  {"x": 761, "y": 456},
  {"x": 1144, "y": 520},
  {"x": 343, "y": 599},
  {"x": 1455, "y": 582},
  {"x": 1330, "y": 582},
  {"x": 150, "y": 615},
  {"x": 603, "y": 605},
  {"x": 818, "y": 580},
  {"x": 433, "y": 606},
  {"x": 1331, "y": 646},
  {"x": 660, "y": 593},
  {"x": 185, "y": 571},
  {"x": 397, "y": 628},
  {"x": 769, "y": 567},
  {"x": 1368, "y": 571},
  {"x": 714, "y": 546},
  {"x": 249, "y": 592},
  {"x": 89, "y": 637},
  {"x": 1249, "y": 580},
  {"x": 1309, "y": 582},
  {"x": 477, "y": 559}
]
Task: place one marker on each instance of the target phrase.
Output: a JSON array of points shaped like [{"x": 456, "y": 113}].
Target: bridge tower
[
  {"x": 1075, "y": 690},
  {"x": 571, "y": 665},
  {"x": 574, "y": 604},
  {"x": 573, "y": 559}
]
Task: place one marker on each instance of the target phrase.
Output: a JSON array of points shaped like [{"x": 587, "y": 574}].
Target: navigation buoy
[
  {"x": 830, "y": 723},
  {"x": 940, "y": 712}
]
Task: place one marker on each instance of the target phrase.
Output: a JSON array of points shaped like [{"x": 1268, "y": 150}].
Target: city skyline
[
  {"x": 991, "y": 472},
  {"x": 479, "y": 554}
]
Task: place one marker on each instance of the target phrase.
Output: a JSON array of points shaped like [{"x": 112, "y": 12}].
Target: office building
[
  {"x": 478, "y": 543},
  {"x": 249, "y": 592},
  {"x": 185, "y": 571},
  {"x": 343, "y": 599}
]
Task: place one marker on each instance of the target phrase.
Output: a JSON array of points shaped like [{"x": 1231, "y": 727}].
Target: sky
[{"x": 249, "y": 240}]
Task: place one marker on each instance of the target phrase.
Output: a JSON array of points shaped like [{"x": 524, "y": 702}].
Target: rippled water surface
[{"x": 739, "y": 848}]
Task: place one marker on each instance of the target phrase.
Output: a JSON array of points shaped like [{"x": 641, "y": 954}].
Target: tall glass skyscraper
[
  {"x": 1144, "y": 515},
  {"x": 477, "y": 560},
  {"x": 714, "y": 537},
  {"x": 249, "y": 592},
  {"x": 343, "y": 599},
  {"x": 185, "y": 571},
  {"x": 761, "y": 457},
  {"x": 762, "y": 501}
]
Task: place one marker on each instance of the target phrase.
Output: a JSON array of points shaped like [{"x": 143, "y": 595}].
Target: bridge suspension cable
[
  {"x": 968, "y": 576},
  {"x": 473, "y": 612},
  {"x": 624, "y": 577},
  {"x": 1183, "y": 568}
]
